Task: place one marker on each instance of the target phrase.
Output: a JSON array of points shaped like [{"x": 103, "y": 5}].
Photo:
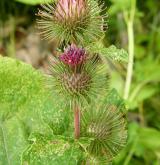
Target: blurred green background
[{"x": 19, "y": 39}]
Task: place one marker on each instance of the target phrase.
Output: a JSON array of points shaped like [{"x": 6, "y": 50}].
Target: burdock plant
[{"x": 80, "y": 79}]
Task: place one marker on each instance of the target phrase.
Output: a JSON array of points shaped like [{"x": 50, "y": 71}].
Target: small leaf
[{"x": 111, "y": 52}]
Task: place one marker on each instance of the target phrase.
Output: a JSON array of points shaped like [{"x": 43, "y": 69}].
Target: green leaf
[
  {"x": 23, "y": 92},
  {"x": 23, "y": 98},
  {"x": 146, "y": 81},
  {"x": 113, "y": 98},
  {"x": 141, "y": 140},
  {"x": 149, "y": 138},
  {"x": 150, "y": 71},
  {"x": 12, "y": 142},
  {"x": 111, "y": 52},
  {"x": 50, "y": 150},
  {"x": 146, "y": 92},
  {"x": 20, "y": 86},
  {"x": 34, "y": 2},
  {"x": 120, "y": 5},
  {"x": 60, "y": 119}
]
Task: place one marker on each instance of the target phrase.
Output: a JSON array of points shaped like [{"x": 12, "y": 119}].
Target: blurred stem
[
  {"x": 76, "y": 121},
  {"x": 129, "y": 19},
  {"x": 141, "y": 113},
  {"x": 154, "y": 28},
  {"x": 131, "y": 152},
  {"x": 11, "y": 44}
]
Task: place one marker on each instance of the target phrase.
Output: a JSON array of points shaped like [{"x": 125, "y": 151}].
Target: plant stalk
[
  {"x": 129, "y": 21},
  {"x": 76, "y": 122},
  {"x": 131, "y": 59}
]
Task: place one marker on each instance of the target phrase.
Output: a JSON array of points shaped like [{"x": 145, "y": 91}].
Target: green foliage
[
  {"x": 141, "y": 140},
  {"x": 146, "y": 82},
  {"x": 23, "y": 97},
  {"x": 34, "y": 2},
  {"x": 49, "y": 149},
  {"x": 110, "y": 53},
  {"x": 12, "y": 141},
  {"x": 17, "y": 87},
  {"x": 22, "y": 93},
  {"x": 120, "y": 5}
]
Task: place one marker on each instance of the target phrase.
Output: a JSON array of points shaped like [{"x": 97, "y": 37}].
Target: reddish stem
[{"x": 76, "y": 122}]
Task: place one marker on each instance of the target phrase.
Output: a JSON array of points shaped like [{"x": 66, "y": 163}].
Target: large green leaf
[
  {"x": 34, "y": 2},
  {"x": 20, "y": 97},
  {"x": 23, "y": 98},
  {"x": 51, "y": 150},
  {"x": 20, "y": 86}
]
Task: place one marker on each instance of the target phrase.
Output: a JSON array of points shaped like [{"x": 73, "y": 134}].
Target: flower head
[
  {"x": 74, "y": 76},
  {"x": 104, "y": 121},
  {"x": 70, "y": 10},
  {"x": 73, "y": 55},
  {"x": 78, "y": 21}
]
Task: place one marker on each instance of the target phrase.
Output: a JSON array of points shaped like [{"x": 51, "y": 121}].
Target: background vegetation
[{"x": 134, "y": 26}]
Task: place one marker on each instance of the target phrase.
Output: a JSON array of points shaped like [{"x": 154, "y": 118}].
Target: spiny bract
[
  {"x": 78, "y": 21},
  {"x": 106, "y": 124}
]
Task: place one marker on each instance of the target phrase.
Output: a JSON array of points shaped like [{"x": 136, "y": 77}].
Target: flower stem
[
  {"x": 76, "y": 122},
  {"x": 129, "y": 21}
]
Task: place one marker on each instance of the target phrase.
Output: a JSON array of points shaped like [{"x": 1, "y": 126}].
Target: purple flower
[
  {"x": 70, "y": 9},
  {"x": 73, "y": 56}
]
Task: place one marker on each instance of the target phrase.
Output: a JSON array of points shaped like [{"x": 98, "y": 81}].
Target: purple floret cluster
[{"x": 73, "y": 56}]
